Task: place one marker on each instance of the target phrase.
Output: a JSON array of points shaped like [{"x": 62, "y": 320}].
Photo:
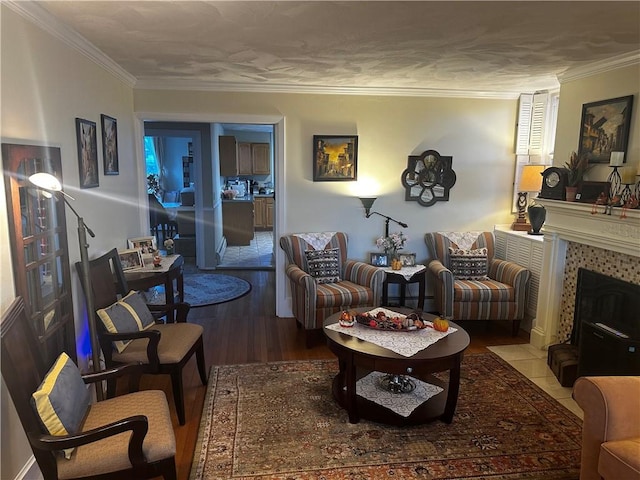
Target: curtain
[{"x": 158, "y": 145}]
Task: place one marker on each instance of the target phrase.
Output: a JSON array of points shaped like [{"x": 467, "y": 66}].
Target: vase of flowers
[
  {"x": 168, "y": 245},
  {"x": 391, "y": 245}
]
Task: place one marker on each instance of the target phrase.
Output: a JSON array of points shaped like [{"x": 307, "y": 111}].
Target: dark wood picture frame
[
  {"x": 335, "y": 158},
  {"x": 589, "y": 192},
  {"x": 604, "y": 128},
  {"x": 87, "y": 153},
  {"x": 109, "y": 145}
]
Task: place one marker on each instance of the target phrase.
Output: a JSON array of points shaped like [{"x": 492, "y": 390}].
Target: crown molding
[
  {"x": 47, "y": 22},
  {"x": 201, "y": 85},
  {"x": 602, "y": 66}
]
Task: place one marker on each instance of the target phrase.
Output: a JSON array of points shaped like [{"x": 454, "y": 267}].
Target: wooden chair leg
[
  {"x": 178, "y": 394},
  {"x": 201, "y": 364},
  {"x": 515, "y": 328}
]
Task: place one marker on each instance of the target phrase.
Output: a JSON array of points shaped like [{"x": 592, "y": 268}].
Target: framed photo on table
[
  {"x": 131, "y": 258},
  {"x": 147, "y": 245},
  {"x": 408, "y": 259},
  {"x": 379, "y": 259}
]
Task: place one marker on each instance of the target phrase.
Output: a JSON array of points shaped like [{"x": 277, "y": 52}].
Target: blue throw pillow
[
  {"x": 62, "y": 400},
  {"x": 130, "y": 314}
]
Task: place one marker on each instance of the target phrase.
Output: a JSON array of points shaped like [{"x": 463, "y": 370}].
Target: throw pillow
[
  {"x": 62, "y": 399},
  {"x": 130, "y": 314},
  {"x": 324, "y": 265},
  {"x": 469, "y": 264}
]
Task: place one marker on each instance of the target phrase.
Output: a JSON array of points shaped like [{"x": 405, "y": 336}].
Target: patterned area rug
[
  {"x": 202, "y": 289},
  {"x": 279, "y": 421}
]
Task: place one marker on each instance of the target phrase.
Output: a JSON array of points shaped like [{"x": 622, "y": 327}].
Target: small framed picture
[
  {"x": 379, "y": 259},
  {"x": 87, "y": 153},
  {"x": 408, "y": 259},
  {"x": 110, "y": 145},
  {"x": 131, "y": 258},
  {"x": 146, "y": 245}
]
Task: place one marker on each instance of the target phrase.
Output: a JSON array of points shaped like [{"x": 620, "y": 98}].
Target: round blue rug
[{"x": 201, "y": 289}]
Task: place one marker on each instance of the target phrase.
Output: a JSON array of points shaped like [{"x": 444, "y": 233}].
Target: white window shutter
[
  {"x": 538, "y": 121},
  {"x": 523, "y": 132}
]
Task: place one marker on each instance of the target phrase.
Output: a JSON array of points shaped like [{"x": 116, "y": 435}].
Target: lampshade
[
  {"x": 616, "y": 159},
  {"x": 530, "y": 178},
  {"x": 367, "y": 203},
  {"x": 48, "y": 183}
]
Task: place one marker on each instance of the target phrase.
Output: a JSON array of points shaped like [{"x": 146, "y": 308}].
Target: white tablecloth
[{"x": 406, "y": 272}]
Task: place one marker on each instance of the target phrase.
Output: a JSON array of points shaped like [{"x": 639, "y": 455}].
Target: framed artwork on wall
[
  {"x": 87, "y": 153},
  {"x": 604, "y": 128},
  {"x": 109, "y": 145},
  {"x": 335, "y": 158}
]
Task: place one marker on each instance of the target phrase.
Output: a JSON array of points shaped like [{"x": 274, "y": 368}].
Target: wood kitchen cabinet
[
  {"x": 228, "y": 150},
  {"x": 245, "y": 161},
  {"x": 260, "y": 159},
  {"x": 263, "y": 210},
  {"x": 237, "y": 222}
]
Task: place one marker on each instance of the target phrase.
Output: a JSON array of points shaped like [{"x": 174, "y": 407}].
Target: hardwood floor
[{"x": 246, "y": 330}]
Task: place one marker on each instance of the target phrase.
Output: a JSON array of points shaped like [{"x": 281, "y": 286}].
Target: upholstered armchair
[
  {"x": 323, "y": 281},
  {"x": 611, "y": 427},
  {"x": 470, "y": 283}
]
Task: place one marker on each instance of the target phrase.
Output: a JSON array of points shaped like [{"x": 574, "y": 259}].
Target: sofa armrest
[
  {"x": 508, "y": 272},
  {"x": 611, "y": 408},
  {"x": 300, "y": 278},
  {"x": 362, "y": 273},
  {"x": 443, "y": 287}
]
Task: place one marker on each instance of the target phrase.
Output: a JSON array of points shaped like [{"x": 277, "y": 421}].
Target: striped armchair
[
  {"x": 500, "y": 296},
  {"x": 360, "y": 284}
]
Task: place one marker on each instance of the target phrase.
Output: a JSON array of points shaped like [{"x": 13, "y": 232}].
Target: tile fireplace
[{"x": 575, "y": 237}]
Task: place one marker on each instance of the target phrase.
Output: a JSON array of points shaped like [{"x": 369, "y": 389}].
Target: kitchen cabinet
[
  {"x": 237, "y": 222},
  {"x": 228, "y": 151},
  {"x": 245, "y": 161},
  {"x": 260, "y": 158},
  {"x": 263, "y": 208}
]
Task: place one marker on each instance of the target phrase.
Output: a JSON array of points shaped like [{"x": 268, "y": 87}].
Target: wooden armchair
[
  {"x": 352, "y": 283},
  {"x": 163, "y": 349},
  {"x": 146, "y": 450},
  {"x": 464, "y": 292}
]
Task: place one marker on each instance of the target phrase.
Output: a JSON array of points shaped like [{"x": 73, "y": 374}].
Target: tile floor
[
  {"x": 532, "y": 363},
  {"x": 257, "y": 255}
]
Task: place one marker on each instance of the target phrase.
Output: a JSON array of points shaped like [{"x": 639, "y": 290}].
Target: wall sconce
[
  {"x": 367, "y": 203},
  {"x": 530, "y": 181}
]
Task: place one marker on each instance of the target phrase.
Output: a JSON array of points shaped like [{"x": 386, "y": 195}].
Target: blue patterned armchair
[
  {"x": 470, "y": 283},
  {"x": 323, "y": 281}
]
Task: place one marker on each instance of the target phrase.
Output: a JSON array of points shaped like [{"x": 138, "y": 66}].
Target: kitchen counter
[{"x": 248, "y": 198}]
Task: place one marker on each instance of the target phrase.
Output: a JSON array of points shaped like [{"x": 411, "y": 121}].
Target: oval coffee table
[{"x": 357, "y": 358}]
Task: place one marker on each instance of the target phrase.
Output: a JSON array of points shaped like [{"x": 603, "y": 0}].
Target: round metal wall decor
[{"x": 428, "y": 178}]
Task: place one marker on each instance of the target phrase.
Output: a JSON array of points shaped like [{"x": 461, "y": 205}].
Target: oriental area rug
[{"x": 278, "y": 421}]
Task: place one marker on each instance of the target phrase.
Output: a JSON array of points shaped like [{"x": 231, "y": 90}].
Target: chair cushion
[
  {"x": 62, "y": 400},
  {"x": 129, "y": 314},
  {"x": 176, "y": 339},
  {"x": 482, "y": 291},
  {"x": 343, "y": 294},
  {"x": 110, "y": 454},
  {"x": 468, "y": 264},
  {"x": 620, "y": 459},
  {"x": 324, "y": 265}
]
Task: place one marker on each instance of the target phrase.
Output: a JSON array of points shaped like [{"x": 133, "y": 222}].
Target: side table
[{"x": 404, "y": 276}]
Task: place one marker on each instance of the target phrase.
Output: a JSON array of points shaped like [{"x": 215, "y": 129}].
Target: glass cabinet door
[{"x": 40, "y": 256}]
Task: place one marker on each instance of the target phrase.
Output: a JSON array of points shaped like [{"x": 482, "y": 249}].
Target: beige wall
[
  {"x": 619, "y": 83},
  {"x": 45, "y": 86}
]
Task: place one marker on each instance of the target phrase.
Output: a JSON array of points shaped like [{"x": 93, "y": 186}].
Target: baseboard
[{"x": 30, "y": 471}]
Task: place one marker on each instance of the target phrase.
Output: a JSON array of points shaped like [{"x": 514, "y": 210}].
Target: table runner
[{"x": 404, "y": 343}]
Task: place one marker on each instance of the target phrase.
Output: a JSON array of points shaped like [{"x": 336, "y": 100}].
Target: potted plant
[{"x": 577, "y": 167}]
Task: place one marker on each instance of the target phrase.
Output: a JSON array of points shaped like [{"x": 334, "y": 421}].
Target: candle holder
[
  {"x": 625, "y": 196},
  {"x": 615, "y": 180}
]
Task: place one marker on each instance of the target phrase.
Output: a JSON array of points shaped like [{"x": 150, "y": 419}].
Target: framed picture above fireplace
[{"x": 604, "y": 128}]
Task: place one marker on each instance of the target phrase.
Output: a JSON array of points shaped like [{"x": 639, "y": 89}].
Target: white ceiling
[{"x": 392, "y": 47}]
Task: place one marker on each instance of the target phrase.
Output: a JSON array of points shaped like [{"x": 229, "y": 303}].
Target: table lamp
[{"x": 530, "y": 181}]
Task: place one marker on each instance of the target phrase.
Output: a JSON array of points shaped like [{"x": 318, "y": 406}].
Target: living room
[{"x": 46, "y": 84}]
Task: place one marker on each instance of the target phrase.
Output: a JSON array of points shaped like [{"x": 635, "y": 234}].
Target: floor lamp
[
  {"x": 52, "y": 186},
  {"x": 367, "y": 203}
]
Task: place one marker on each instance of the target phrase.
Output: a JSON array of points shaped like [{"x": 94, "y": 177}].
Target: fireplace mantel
[{"x": 573, "y": 222}]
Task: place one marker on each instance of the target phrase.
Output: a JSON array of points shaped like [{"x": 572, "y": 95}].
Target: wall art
[
  {"x": 604, "y": 128},
  {"x": 87, "y": 153},
  {"x": 109, "y": 145},
  {"x": 428, "y": 178},
  {"x": 335, "y": 158}
]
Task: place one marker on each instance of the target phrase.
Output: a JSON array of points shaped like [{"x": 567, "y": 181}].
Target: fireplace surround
[{"x": 575, "y": 237}]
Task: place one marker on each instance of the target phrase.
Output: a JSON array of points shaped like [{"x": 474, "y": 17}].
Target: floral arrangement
[{"x": 391, "y": 244}]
